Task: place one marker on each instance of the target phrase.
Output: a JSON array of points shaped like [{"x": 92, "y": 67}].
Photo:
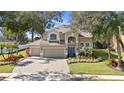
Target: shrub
[
  {"x": 88, "y": 51},
  {"x": 81, "y": 59},
  {"x": 12, "y": 58},
  {"x": 99, "y": 59},
  {"x": 20, "y": 56},
  {"x": 109, "y": 62},
  {"x": 81, "y": 54},
  {"x": 112, "y": 63}
]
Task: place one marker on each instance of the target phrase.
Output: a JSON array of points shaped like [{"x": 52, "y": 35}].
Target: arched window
[
  {"x": 53, "y": 37},
  {"x": 71, "y": 39}
]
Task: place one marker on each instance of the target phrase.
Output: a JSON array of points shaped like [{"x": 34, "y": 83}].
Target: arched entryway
[
  {"x": 71, "y": 40},
  {"x": 71, "y": 46}
]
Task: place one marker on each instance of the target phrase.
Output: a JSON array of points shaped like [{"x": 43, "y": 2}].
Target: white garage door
[
  {"x": 54, "y": 52},
  {"x": 35, "y": 51}
]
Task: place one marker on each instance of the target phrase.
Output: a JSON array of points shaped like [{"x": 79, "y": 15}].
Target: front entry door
[{"x": 71, "y": 51}]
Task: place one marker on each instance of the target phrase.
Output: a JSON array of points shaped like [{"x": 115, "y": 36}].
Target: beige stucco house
[{"x": 61, "y": 42}]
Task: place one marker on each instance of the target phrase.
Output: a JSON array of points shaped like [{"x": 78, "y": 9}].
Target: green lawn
[
  {"x": 6, "y": 68},
  {"x": 96, "y": 68},
  {"x": 93, "y": 68},
  {"x": 104, "y": 54},
  {"x": 9, "y": 68}
]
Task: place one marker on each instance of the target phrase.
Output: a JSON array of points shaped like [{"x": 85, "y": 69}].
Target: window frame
[{"x": 53, "y": 39}]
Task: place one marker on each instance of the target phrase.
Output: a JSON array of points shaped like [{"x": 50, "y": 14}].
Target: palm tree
[{"x": 116, "y": 20}]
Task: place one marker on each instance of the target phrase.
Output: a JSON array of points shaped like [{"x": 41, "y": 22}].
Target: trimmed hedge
[{"x": 83, "y": 60}]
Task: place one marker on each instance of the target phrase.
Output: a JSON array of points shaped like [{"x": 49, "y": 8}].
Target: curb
[{"x": 105, "y": 77}]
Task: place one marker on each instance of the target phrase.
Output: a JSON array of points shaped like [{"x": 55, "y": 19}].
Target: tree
[
  {"x": 40, "y": 21},
  {"x": 35, "y": 21},
  {"x": 14, "y": 22},
  {"x": 2, "y": 46},
  {"x": 11, "y": 48},
  {"x": 94, "y": 23},
  {"x": 104, "y": 24}
]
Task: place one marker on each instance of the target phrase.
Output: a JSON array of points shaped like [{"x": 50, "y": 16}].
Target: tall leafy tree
[
  {"x": 14, "y": 22},
  {"x": 40, "y": 21},
  {"x": 104, "y": 26},
  {"x": 34, "y": 21}
]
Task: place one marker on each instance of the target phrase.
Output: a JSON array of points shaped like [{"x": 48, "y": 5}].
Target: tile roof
[
  {"x": 63, "y": 29},
  {"x": 44, "y": 43},
  {"x": 85, "y": 33},
  {"x": 67, "y": 28},
  {"x": 37, "y": 42}
]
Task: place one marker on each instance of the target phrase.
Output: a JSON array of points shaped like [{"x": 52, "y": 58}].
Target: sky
[{"x": 66, "y": 20}]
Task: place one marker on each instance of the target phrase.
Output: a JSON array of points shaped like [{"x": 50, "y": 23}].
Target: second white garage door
[{"x": 54, "y": 52}]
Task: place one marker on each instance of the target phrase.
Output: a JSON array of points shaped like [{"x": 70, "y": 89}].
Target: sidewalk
[
  {"x": 10, "y": 76},
  {"x": 5, "y": 75},
  {"x": 104, "y": 77}
]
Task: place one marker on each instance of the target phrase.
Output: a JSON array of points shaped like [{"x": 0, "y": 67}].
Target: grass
[
  {"x": 93, "y": 68},
  {"x": 104, "y": 54},
  {"x": 96, "y": 68},
  {"x": 6, "y": 68},
  {"x": 9, "y": 68}
]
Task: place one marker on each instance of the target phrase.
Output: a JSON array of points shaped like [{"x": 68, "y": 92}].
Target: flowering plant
[
  {"x": 114, "y": 63},
  {"x": 12, "y": 58}
]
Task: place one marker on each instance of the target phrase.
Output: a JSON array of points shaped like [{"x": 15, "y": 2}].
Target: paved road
[{"x": 37, "y": 64}]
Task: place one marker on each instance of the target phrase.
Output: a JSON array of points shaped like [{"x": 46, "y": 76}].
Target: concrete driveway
[{"x": 37, "y": 64}]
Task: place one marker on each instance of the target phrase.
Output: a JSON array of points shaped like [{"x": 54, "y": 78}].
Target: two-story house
[{"x": 61, "y": 42}]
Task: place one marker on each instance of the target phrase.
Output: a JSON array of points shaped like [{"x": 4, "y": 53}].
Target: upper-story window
[{"x": 53, "y": 37}]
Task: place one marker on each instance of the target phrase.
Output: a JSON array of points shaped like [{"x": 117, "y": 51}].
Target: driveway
[{"x": 32, "y": 65}]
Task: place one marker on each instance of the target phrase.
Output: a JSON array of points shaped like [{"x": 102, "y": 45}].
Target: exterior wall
[
  {"x": 55, "y": 51},
  {"x": 35, "y": 50},
  {"x": 45, "y": 35},
  {"x": 75, "y": 44},
  {"x": 62, "y": 49},
  {"x": 53, "y": 32},
  {"x": 62, "y": 36},
  {"x": 85, "y": 40}
]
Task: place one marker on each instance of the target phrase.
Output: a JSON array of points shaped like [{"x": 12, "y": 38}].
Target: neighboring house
[{"x": 61, "y": 42}]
